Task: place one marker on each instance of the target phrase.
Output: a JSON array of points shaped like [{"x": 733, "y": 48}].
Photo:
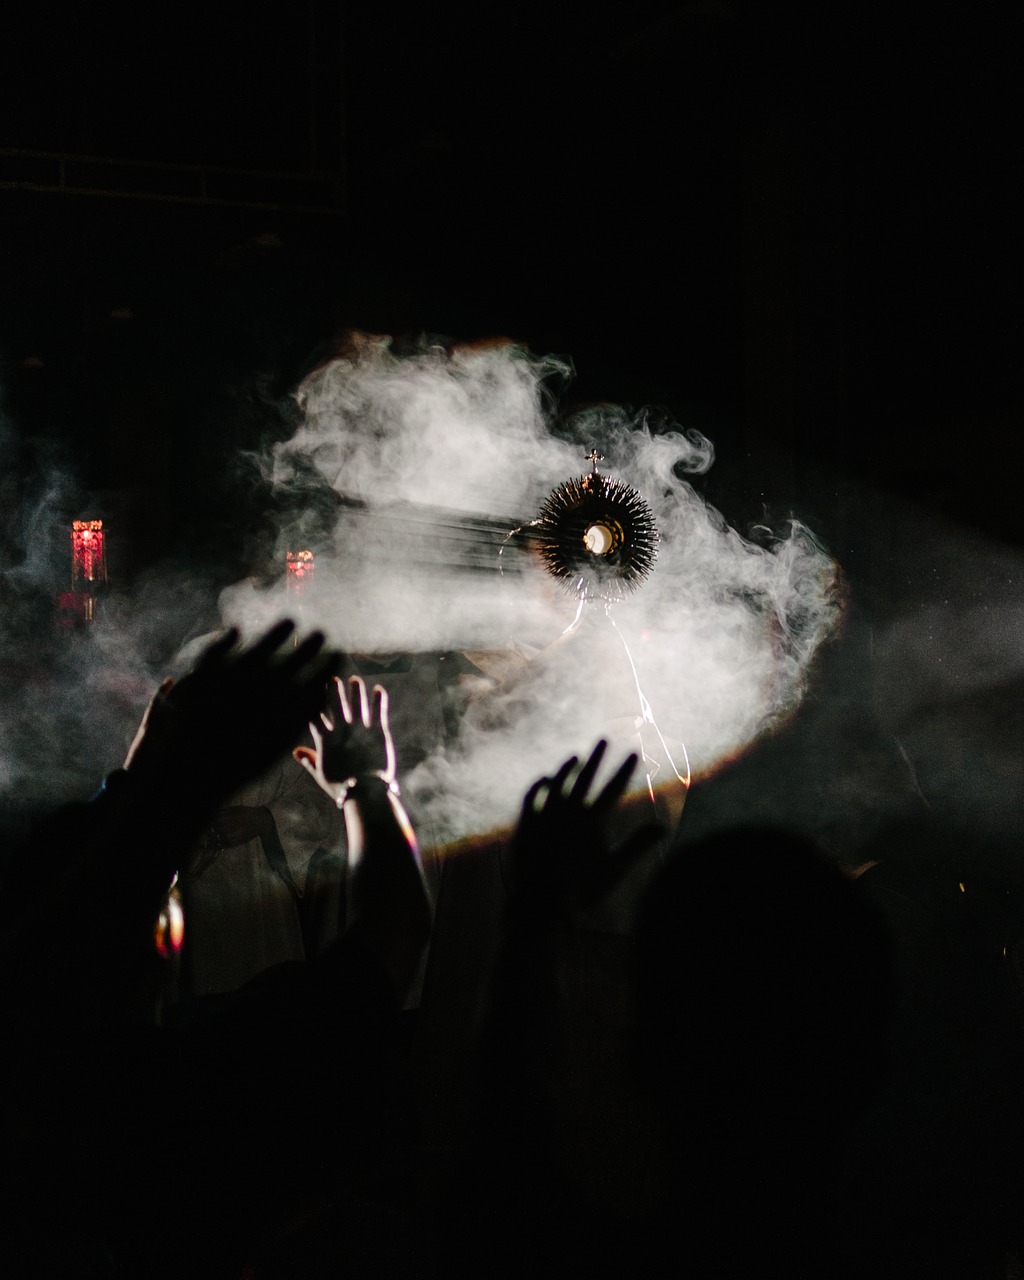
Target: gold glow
[{"x": 599, "y": 539}]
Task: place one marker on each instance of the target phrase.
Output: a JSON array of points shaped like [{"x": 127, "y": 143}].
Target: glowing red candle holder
[
  {"x": 88, "y": 559},
  {"x": 300, "y": 566},
  {"x": 88, "y": 562}
]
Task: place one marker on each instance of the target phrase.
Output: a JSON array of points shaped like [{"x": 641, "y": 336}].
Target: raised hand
[
  {"x": 231, "y": 717},
  {"x": 352, "y": 741},
  {"x": 564, "y": 861},
  {"x": 353, "y": 760}
]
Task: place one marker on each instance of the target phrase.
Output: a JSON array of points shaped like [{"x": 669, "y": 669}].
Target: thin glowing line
[{"x": 648, "y": 717}]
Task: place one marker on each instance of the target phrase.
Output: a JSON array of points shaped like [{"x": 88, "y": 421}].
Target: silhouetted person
[
  {"x": 525, "y": 1209},
  {"x": 763, "y": 992},
  {"x": 135, "y": 1148}
]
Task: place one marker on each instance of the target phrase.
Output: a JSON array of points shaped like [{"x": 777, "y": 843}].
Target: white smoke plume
[
  {"x": 71, "y": 697},
  {"x": 406, "y": 474}
]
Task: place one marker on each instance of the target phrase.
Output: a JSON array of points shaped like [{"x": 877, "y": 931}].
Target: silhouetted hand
[
  {"x": 231, "y": 717},
  {"x": 353, "y": 760},
  {"x": 563, "y": 859},
  {"x": 355, "y": 740}
]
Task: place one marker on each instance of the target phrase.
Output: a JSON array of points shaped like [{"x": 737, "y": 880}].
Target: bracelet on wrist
[{"x": 362, "y": 782}]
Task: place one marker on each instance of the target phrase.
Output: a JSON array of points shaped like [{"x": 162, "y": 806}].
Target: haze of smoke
[
  {"x": 400, "y": 512},
  {"x": 949, "y": 673},
  {"x": 71, "y": 699},
  {"x": 426, "y": 453}
]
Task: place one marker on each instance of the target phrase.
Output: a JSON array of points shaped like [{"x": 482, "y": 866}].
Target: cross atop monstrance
[{"x": 593, "y": 457}]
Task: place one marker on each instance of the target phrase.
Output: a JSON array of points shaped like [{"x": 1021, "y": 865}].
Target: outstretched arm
[
  {"x": 532, "y": 1079},
  {"x": 353, "y": 760},
  {"x": 232, "y": 716},
  {"x": 224, "y": 723},
  {"x": 563, "y": 863},
  {"x": 563, "y": 859},
  {"x": 85, "y": 903}
]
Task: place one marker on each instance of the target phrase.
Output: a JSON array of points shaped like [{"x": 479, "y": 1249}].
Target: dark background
[{"x": 795, "y": 226}]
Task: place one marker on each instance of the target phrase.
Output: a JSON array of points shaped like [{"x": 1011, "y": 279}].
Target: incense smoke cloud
[
  {"x": 71, "y": 699},
  {"x": 949, "y": 676},
  {"x": 405, "y": 475},
  {"x": 425, "y": 462}
]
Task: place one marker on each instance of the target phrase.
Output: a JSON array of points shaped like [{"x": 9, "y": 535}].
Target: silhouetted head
[{"x": 762, "y": 988}]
